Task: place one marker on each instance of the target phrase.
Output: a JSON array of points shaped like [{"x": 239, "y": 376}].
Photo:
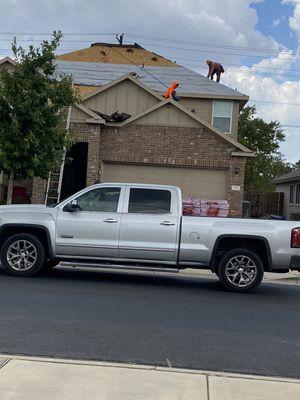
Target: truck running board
[{"x": 118, "y": 267}]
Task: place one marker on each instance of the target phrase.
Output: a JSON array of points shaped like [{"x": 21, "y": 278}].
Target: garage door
[{"x": 202, "y": 183}]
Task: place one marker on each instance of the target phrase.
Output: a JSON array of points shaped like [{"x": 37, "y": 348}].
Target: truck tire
[
  {"x": 240, "y": 270},
  {"x": 22, "y": 255}
]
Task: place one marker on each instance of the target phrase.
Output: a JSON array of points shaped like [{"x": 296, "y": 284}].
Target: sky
[{"x": 257, "y": 41}]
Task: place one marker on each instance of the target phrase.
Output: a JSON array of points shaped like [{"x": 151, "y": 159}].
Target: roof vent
[
  {"x": 154, "y": 58},
  {"x": 129, "y": 50}
]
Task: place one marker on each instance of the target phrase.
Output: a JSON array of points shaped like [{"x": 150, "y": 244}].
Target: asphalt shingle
[
  {"x": 157, "y": 78},
  {"x": 290, "y": 176}
]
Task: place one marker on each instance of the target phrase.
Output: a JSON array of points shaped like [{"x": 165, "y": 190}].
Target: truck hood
[{"x": 27, "y": 208}]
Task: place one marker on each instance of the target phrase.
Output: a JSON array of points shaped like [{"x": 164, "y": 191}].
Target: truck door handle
[
  {"x": 167, "y": 223},
  {"x": 110, "y": 220}
]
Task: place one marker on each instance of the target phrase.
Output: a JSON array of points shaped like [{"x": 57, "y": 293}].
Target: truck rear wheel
[
  {"x": 240, "y": 270},
  {"x": 22, "y": 255}
]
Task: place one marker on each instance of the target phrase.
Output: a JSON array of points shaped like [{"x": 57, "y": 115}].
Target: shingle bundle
[{"x": 205, "y": 208}]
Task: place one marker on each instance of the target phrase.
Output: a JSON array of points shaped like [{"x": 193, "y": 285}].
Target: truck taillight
[{"x": 295, "y": 242}]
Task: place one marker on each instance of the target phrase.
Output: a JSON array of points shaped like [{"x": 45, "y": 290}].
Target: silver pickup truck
[{"x": 141, "y": 227}]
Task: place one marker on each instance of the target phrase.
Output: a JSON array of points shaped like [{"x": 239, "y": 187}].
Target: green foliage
[
  {"x": 264, "y": 139},
  {"x": 296, "y": 165},
  {"x": 33, "y": 102}
]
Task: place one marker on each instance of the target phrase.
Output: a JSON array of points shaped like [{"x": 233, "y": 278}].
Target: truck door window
[
  {"x": 100, "y": 200},
  {"x": 149, "y": 201}
]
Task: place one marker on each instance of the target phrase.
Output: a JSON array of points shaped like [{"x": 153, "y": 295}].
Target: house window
[
  {"x": 298, "y": 193},
  {"x": 222, "y": 115},
  {"x": 291, "y": 194}
]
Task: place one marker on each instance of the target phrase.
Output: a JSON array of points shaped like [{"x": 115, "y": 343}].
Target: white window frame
[
  {"x": 294, "y": 191},
  {"x": 216, "y": 116},
  {"x": 297, "y": 192}
]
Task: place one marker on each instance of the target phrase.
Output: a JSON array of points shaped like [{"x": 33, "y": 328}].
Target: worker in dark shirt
[{"x": 214, "y": 68}]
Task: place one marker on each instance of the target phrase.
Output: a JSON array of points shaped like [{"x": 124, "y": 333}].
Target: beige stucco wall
[
  {"x": 235, "y": 118},
  {"x": 123, "y": 97},
  {"x": 167, "y": 115},
  {"x": 203, "y": 108}
]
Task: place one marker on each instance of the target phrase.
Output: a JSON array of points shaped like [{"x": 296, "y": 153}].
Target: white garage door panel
[{"x": 203, "y": 183}]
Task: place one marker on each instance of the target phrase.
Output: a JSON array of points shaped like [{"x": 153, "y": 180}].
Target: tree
[
  {"x": 296, "y": 165},
  {"x": 264, "y": 139},
  {"x": 33, "y": 102}
]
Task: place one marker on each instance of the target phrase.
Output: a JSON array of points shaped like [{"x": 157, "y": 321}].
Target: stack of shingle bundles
[
  {"x": 191, "y": 206},
  {"x": 215, "y": 208},
  {"x": 224, "y": 208},
  {"x": 205, "y": 208},
  {"x": 187, "y": 206}
]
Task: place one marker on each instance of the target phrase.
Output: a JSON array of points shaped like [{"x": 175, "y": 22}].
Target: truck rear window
[{"x": 149, "y": 201}]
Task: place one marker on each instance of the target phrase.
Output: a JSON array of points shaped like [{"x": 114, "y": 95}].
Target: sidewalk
[{"x": 28, "y": 378}]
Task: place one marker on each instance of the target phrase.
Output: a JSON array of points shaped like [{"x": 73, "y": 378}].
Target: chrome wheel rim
[
  {"x": 21, "y": 255},
  {"x": 241, "y": 271}
]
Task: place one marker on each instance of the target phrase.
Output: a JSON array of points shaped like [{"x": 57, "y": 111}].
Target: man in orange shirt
[{"x": 171, "y": 92}]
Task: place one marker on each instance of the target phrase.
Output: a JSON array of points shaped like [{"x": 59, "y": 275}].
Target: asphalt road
[{"x": 177, "y": 321}]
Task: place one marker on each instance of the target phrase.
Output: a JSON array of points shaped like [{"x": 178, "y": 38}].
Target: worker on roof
[
  {"x": 171, "y": 92},
  {"x": 214, "y": 68}
]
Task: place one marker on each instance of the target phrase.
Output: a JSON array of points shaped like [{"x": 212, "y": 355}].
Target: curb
[{"x": 7, "y": 358}]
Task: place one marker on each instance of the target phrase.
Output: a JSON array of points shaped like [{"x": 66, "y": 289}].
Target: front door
[
  {"x": 93, "y": 231},
  {"x": 150, "y": 226},
  {"x": 75, "y": 169}
]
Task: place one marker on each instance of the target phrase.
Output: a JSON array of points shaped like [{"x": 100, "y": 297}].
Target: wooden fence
[{"x": 265, "y": 204}]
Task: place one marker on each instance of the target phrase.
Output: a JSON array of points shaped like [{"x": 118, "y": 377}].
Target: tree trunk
[{"x": 10, "y": 187}]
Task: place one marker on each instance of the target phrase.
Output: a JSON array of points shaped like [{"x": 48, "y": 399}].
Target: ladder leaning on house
[{"x": 54, "y": 182}]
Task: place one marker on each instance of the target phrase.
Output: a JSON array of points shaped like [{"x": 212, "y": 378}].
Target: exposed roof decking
[
  {"x": 191, "y": 83},
  {"x": 117, "y": 54}
]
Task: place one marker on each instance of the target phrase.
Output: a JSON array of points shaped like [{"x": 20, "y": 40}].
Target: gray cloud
[{"x": 230, "y": 22}]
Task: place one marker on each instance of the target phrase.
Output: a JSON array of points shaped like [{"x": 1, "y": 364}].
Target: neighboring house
[
  {"x": 191, "y": 143},
  {"x": 7, "y": 63},
  {"x": 289, "y": 184}
]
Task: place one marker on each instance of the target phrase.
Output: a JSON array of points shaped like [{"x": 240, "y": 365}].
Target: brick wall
[
  {"x": 38, "y": 191},
  {"x": 171, "y": 146},
  {"x": 89, "y": 133},
  {"x": 159, "y": 145}
]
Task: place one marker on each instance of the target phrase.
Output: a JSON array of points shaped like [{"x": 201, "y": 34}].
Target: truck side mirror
[{"x": 73, "y": 207}]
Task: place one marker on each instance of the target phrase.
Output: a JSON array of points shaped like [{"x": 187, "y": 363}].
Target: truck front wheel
[
  {"x": 240, "y": 270},
  {"x": 22, "y": 255}
]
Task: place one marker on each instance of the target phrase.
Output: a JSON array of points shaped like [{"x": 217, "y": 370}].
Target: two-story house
[{"x": 191, "y": 143}]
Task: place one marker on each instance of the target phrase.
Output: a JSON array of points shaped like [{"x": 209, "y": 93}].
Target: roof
[
  {"x": 117, "y": 54},
  {"x": 157, "y": 78},
  {"x": 7, "y": 60},
  {"x": 289, "y": 177},
  {"x": 242, "y": 150}
]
